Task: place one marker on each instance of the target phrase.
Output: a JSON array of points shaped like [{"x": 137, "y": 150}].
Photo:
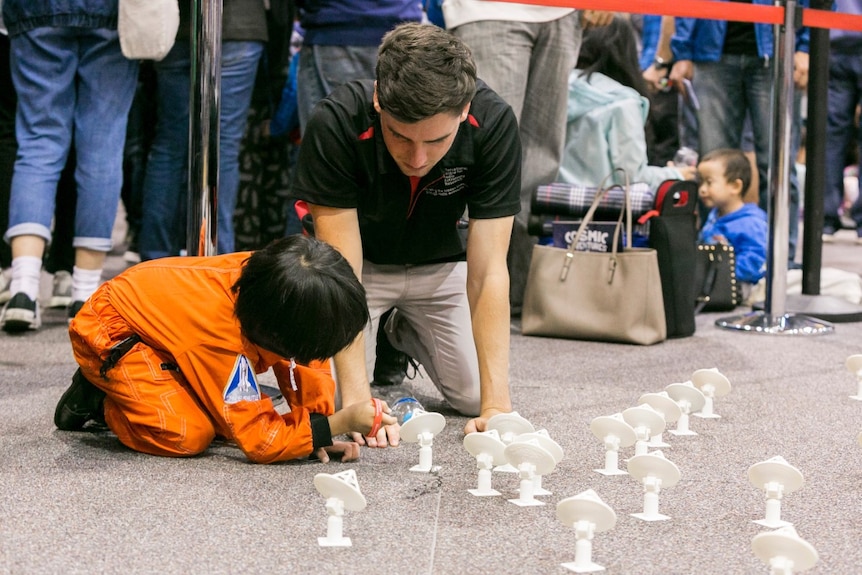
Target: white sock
[
  {"x": 26, "y": 273},
  {"x": 84, "y": 283}
]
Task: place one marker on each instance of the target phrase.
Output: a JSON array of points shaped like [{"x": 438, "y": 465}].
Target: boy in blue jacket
[{"x": 724, "y": 176}]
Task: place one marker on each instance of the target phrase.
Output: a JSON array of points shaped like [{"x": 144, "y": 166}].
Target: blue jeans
[
  {"x": 729, "y": 89},
  {"x": 165, "y": 201},
  {"x": 845, "y": 93},
  {"x": 71, "y": 82}
]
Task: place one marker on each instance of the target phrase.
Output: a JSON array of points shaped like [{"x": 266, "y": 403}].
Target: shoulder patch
[{"x": 242, "y": 385}]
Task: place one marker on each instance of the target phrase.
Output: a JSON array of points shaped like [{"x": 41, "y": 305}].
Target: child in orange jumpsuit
[{"x": 168, "y": 352}]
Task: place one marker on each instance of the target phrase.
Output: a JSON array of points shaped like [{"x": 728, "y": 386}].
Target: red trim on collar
[
  {"x": 473, "y": 121},
  {"x": 367, "y": 134}
]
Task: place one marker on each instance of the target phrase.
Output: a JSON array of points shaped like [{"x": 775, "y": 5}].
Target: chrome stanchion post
[
  {"x": 204, "y": 110},
  {"x": 774, "y": 319}
]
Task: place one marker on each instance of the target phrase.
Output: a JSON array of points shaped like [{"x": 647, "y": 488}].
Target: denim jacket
[
  {"x": 23, "y": 15},
  {"x": 703, "y": 40}
]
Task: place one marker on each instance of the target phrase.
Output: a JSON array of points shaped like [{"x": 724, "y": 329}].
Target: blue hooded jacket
[{"x": 747, "y": 231}]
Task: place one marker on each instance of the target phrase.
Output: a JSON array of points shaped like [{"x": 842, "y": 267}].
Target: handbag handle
[{"x": 627, "y": 210}]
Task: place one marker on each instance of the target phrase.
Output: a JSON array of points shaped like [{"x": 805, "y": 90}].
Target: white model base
[
  {"x": 483, "y": 492},
  {"x": 773, "y": 523},
  {"x": 856, "y": 397},
  {"x": 526, "y": 502},
  {"x": 587, "y": 568},
  {"x": 611, "y": 471},
  {"x": 650, "y": 516},
  {"x": 679, "y": 432},
  {"x": 506, "y": 468},
  {"x": 419, "y": 468},
  {"x": 707, "y": 415},
  {"x": 334, "y": 542}
]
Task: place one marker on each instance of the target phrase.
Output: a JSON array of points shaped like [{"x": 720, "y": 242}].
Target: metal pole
[
  {"x": 204, "y": 110},
  {"x": 774, "y": 319}
]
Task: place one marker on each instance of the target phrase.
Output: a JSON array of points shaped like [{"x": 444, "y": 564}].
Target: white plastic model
[
  {"x": 551, "y": 446},
  {"x": 487, "y": 448},
  {"x": 690, "y": 400},
  {"x": 668, "y": 408},
  {"x": 776, "y": 477},
  {"x": 614, "y": 433},
  {"x": 530, "y": 459},
  {"x": 421, "y": 428},
  {"x": 854, "y": 366},
  {"x": 587, "y": 514},
  {"x": 342, "y": 492},
  {"x": 509, "y": 426},
  {"x": 784, "y": 551},
  {"x": 646, "y": 422},
  {"x": 713, "y": 384},
  {"x": 655, "y": 472}
]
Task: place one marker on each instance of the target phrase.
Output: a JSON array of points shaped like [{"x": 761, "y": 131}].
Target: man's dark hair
[
  {"x": 422, "y": 71},
  {"x": 736, "y": 165},
  {"x": 299, "y": 298}
]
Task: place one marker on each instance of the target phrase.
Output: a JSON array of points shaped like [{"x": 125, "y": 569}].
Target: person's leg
[
  {"x": 8, "y": 150},
  {"x": 238, "y": 70},
  {"x": 43, "y": 63},
  {"x": 856, "y": 209},
  {"x": 164, "y": 195},
  {"x": 840, "y": 132},
  {"x": 432, "y": 323},
  {"x": 106, "y": 87},
  {"x": 721, "y": 116}
]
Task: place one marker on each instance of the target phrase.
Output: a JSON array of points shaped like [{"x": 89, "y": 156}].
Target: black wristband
[
  {"x": 662, "y": 64},
  {"x": 321, "y": 435}
]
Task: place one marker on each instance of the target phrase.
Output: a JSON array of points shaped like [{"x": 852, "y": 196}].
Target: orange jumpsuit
[{"x": 166, "y": 395}]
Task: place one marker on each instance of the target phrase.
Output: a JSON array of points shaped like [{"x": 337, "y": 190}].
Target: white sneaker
[
  {"x": 5, "y": 282},
  {"x": 61, "y": 294}
]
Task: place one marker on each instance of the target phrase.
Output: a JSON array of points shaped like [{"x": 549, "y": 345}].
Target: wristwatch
[{"x": 661, "y": 64}]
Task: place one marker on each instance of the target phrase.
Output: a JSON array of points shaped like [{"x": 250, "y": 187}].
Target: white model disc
[
  {"x": 713, "y": 378},
  {"x": 427, "y": 422},
  {"x": 487, "y": 442},
  {"x": 645, "y": 416},
  {"x": 510, "y": 423},
  {"x": 530, "y": 452},
  {"x": 778, "y": 470},
  {"x": 586, "y": 506},
  {"x": 854, "y": 364},
  {"x": 689, "y": 393},
  {"x": 654, "y": 464},
  {"x": 546, "y": 442},
  {"x": 662, "y": 403},
  {"x": 786, "y": 543},
  {"x": 335, "y": 486},
  {"x": 615, "y": 425}
]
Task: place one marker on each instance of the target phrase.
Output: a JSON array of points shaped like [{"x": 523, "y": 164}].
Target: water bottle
[{"x": 405, "y": 408}]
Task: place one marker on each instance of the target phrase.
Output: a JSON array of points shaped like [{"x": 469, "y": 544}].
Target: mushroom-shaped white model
[
  {"x": 342, "y": 492},
  {"x": 530, "y": 459},
  {"x": 487, "y": 448},
  {"x": 655, "y": 472},
  {"x": 551, "y": 446},
  {"x": 668, "y": 408},
  {"x": 421, "y": 428},
  {"x": 614, "y": 433},
  {"x": 509, "y": 426},
  {"x": 713, "y": 384},
  {"x": 776, "y": 477},
  {"x": 854, "y": 366},
  {"x": 646, "y": 422},
  {"x": 690, "y": 400},
  {"x": 784, "y": 551},
  {"x": 587, "y": 514}
]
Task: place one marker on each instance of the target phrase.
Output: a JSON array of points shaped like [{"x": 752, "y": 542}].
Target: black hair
[
  {"x": 612, "y": 50},
  {"x": 299, "y": 298},
  {"x": 422, "y": 71},
  {"x": 736, "y": 165}
]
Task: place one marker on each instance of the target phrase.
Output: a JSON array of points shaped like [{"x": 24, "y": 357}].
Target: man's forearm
[
  {"x": 351, "y": 374},
  {"x": 490, "y": 310}
]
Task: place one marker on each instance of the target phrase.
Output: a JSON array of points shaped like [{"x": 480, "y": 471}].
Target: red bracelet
[{"x": 378, "y": 417}]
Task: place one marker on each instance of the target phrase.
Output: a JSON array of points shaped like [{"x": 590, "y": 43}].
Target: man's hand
[
  {"x": 596, "y": 18},
  {"x": 682, "y": 70},
  {"x": 481, "y": 423},
  {"x": 656, "y": 79},
  {"x": 341, "y": 450}
]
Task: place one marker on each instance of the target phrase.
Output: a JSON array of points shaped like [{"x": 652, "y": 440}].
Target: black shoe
[
  {"x": 20, "y": 314},
  {"x": 73, "y": 310},
  {"x": 81, "y": 403},
  {"x": 390, "y": 367}
]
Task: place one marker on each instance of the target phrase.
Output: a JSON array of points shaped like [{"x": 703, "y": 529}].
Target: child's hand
[
  {"x": 342, "y": 450},
  {"x": 363, "y": 417}
]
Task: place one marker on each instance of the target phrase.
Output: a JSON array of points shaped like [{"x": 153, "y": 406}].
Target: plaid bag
[{"x": 574, "y": 200}]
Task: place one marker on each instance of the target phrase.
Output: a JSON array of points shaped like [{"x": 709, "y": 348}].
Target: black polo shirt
[{"x": 344, "y": 163}]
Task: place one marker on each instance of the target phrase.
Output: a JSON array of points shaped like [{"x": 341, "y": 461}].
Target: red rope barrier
[{"x": 710, "y": 10}]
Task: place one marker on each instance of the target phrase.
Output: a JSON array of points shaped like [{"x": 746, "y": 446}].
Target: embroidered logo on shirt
[{"x": 242, "y": 385}]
